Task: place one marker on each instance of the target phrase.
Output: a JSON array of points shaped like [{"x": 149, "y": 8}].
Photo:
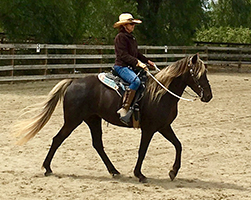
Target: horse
[{"x": 87, "y": 99}]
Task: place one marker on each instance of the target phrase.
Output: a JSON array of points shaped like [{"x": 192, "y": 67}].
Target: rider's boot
[{"x": 127, "y": 100}]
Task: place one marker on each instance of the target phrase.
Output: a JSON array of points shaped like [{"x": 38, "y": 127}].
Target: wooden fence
[{"x": 48, "y": 61}]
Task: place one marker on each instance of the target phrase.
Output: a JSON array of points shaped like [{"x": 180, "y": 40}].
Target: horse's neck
[
  {"x": 177, "y": 86},
  {"x": 168, "y": 101}
]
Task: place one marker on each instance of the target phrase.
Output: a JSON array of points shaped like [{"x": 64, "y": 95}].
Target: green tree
[
  {"x": 224, "y": 34},
  {"x": 229, "y": 22},
  {"x": 49, "y": 21},
  {"x": 102, "y": 14},
  {"x": 165, "y": 22},
  {"x": 233, "y": 13},
  {"x": 65, "y": 21},
  {"x": 170, "y": 22}
]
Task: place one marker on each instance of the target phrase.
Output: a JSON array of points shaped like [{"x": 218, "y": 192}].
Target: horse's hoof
[
  {"x": 48, "y": 173},
  {"x": 114, "y": 173},
  {"x": 172, "y": 175},
  {"x": 140, "y": 176},
  {"x": 143, "y": 180}
]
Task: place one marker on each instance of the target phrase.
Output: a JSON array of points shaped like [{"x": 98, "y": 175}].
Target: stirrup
[
  {"x": 126, "y": 119},
  {"x": 122, "y": 112}
]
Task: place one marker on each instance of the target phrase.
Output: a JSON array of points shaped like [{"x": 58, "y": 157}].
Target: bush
[{"x": 224, "y": 34}]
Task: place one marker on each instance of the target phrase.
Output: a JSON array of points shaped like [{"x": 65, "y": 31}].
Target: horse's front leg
[
  {"x": 145, "y": 140},
  {"x": 168, "y": 133}
]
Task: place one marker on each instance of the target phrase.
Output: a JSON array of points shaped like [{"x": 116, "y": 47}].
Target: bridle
[{"x": 196, "y": 81}]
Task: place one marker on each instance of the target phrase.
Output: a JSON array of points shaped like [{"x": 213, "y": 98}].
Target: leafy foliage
[
  {"x": 170, "y": 22},
  {"x": 233, "y": 13},
  {"x": 70, "y": 21},
  {"x": 224, "y": 34},
  {"x": 165, "y": 22},
  {"x": 49, "y": 21},
  {"x": 102, "y": 14},
  {"x": 229, "y": 22}
]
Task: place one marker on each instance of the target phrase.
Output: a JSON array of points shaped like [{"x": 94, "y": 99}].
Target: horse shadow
[
  {"x": 165, "y": 183},
  {"x": 195, "y": 184}
]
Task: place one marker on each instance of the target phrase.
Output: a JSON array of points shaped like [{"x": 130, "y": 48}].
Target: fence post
[
  {"x": 206, "y": 51},
  {"x": 46, "y": 60},
  {"x": 145, "y": 52},
  {"x": 74, "y": 60},
  {"x": 101, "y": 60},
  {"x": 12, "y": 51},
  {"x": 166, "y": 50},
  {"x": 240, "y": 59}
]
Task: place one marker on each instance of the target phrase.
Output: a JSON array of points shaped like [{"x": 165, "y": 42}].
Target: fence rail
[{"x": 52, "y": 61}]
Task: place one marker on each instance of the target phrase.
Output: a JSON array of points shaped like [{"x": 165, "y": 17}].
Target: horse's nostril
[{"x": 207, "y": 98}]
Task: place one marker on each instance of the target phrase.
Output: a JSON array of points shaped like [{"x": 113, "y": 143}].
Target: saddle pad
[{"x": 109, "y": 82}]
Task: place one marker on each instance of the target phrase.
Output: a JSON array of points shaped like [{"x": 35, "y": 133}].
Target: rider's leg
[
  {"x": 129, "y": 76},
  {"x": 127, "y": 100}
]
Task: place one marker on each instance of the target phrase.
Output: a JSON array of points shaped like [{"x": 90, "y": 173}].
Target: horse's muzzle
[{"x": 206, "y": 97}]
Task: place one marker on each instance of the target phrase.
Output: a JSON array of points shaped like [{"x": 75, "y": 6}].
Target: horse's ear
[{"x": 195, "y": 58}]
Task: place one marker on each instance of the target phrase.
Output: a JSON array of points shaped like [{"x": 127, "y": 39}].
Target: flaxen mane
[{"x": 166, "y": 75}]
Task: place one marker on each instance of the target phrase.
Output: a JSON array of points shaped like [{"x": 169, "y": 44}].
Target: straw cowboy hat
[{"x": 126, "y": 18}]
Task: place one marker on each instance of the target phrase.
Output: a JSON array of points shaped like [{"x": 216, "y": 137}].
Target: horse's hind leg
[
  {"x": 94, "y": 124},
  {"x": 57, "y": 141},
  {"x": 170, "y": 135}
]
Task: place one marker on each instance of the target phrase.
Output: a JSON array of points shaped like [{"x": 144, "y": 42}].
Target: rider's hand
[
  {"x": 151, "y": 63},
  {"x": 142, "y": 65}
]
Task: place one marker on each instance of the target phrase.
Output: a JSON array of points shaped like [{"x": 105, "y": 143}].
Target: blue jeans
[{"x": 129, "y": 76}]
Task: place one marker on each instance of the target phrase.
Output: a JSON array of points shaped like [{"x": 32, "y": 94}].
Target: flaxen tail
[{"x": 32, "y": 126}]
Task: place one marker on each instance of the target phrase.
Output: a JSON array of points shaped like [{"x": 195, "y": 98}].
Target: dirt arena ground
[{"x": 216, "y": 158}]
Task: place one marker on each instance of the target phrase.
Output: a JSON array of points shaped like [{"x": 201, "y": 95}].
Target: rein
[{"x": 175, "y": 95}]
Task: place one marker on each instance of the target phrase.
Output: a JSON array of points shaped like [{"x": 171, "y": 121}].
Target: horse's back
[
  {"x": 87, "y": 96},
  {"x": 83, "y": 89}
]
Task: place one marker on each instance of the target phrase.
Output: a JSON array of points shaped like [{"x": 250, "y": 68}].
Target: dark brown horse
[{"x": 88, "y": 100}]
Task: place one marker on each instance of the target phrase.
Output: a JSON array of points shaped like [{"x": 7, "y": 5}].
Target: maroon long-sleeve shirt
[{"x": 126, "y": 50}]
